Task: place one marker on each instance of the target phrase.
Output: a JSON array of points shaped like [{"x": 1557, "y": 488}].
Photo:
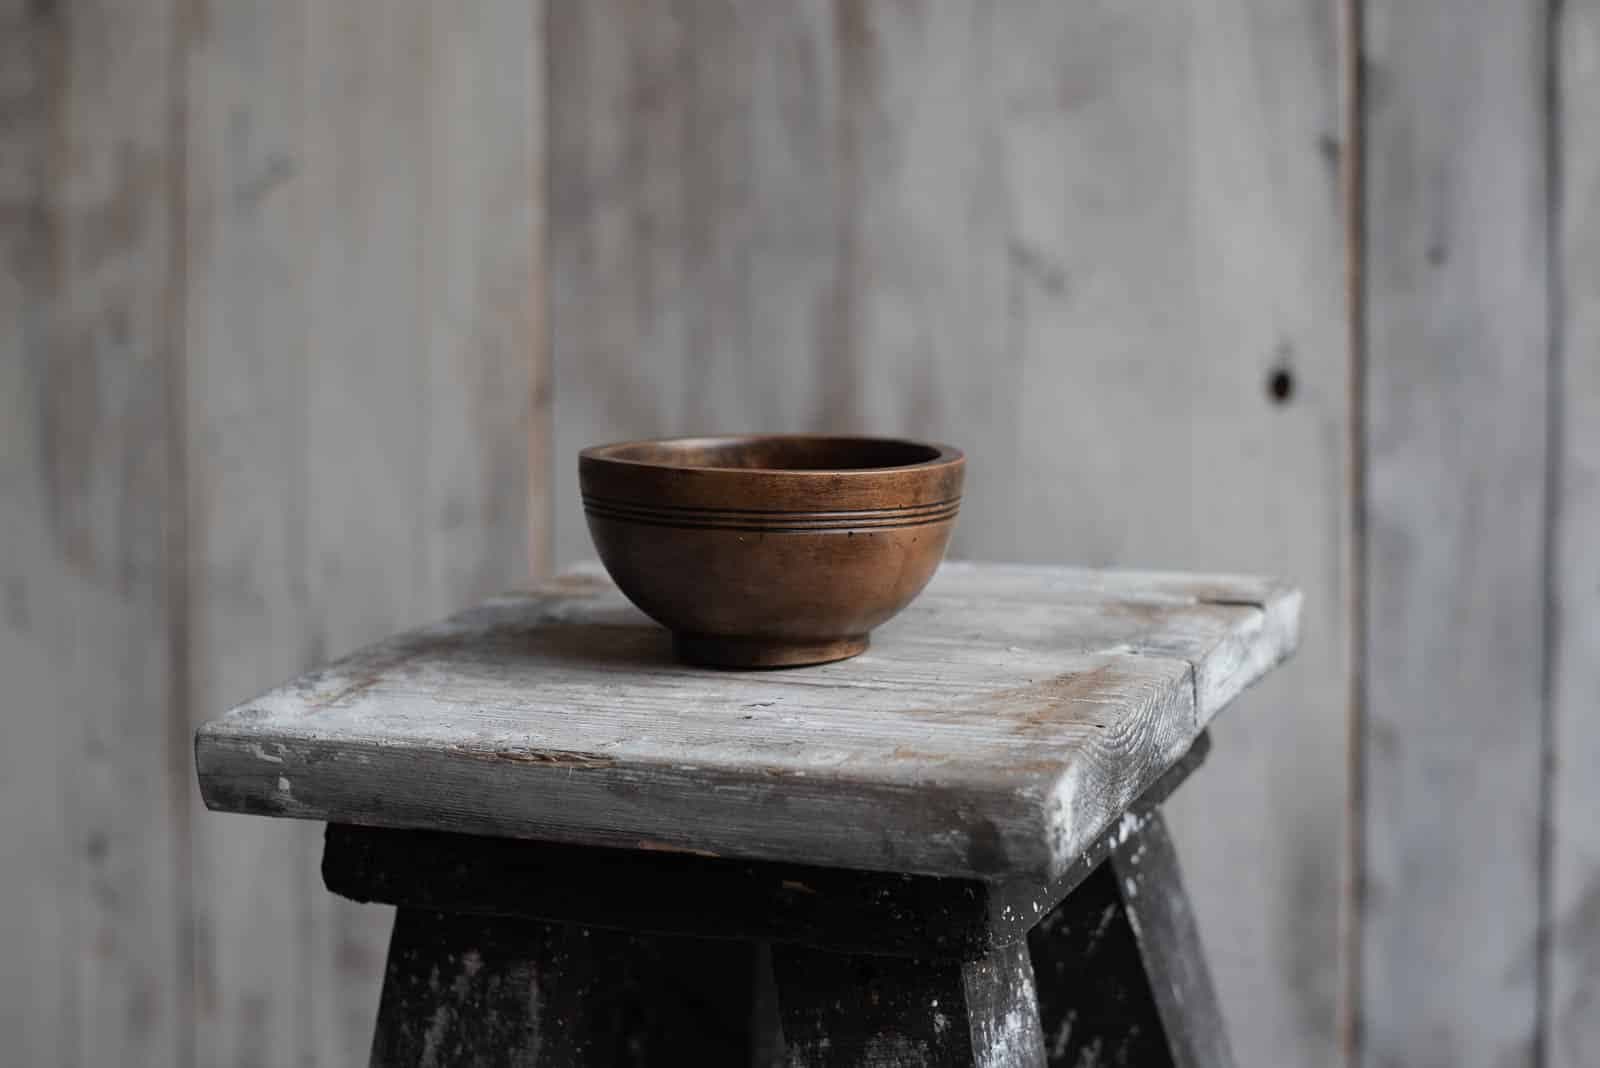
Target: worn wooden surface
[
  {"x": 362, "y": 342},
  {"x": 93, "y": 813},
  {"x": 1457, "y": 393},
  {"x": 1121, "y": 976},
  {"x": 1083, "y": 242},
  {"x": 996, "y": 727},
  {"x": 1572, "y": 1021},
  {"x": 885, "y": 913}
]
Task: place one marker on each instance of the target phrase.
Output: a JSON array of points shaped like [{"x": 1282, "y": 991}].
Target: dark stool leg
[
  {"x": 482, "y": 990},
  {"x": 1119, "y": 968},
  {"x": 840, "y": 1009}
]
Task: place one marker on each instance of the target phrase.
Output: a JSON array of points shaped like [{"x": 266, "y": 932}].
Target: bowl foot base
[{"x": 719, "y": 651}]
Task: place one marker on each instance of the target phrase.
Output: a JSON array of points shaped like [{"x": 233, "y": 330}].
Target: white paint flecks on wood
[
  {"x": 1457, "y": 390},
  {"x": 93, "y": 966},
  {"x": 362, "y": 336},
  {"x": 1075, "y": 240},
  {"x": 995, "y": 728},
  {"x": 1572, "y": 1023}
]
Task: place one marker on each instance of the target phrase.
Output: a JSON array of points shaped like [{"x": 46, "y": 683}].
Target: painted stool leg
[
  {"x": 1120, "y": 972},
  {"x": 478, "y": 990},
  {"x": 841, "y": 1009}
]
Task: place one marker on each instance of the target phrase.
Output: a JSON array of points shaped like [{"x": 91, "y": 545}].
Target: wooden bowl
[{"x": 773, "y": 550}]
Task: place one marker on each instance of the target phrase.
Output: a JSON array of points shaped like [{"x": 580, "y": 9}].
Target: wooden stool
[{"x": 945, "y": 851}]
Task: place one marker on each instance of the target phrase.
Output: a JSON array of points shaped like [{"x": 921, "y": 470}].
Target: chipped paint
[
  {"x": 1127, "y": 827},
  {"x": 1012, "y": 1043}
]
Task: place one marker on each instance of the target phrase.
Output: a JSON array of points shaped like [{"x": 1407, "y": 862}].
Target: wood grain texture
[
  {"x": 1076, "y": 241},
  {"x": 92, "y": 763},
  {"x": 993, "y": 729},
  {"x": 768, "y": 551},
  {"x": 362, "y": 338},
  {"x": 1573, "y": 939},
  {"x": 1457, "y": 390}
]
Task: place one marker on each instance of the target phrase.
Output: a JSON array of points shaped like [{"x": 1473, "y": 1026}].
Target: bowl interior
[{"x": 775, "y": 453}]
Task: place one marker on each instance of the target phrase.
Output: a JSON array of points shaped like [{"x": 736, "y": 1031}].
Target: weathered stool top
[{"x": 995, "y": 728}]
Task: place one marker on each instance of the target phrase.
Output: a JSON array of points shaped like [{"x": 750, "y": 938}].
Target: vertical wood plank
[
  {"x": 363, "y": 339},
  {"x": 621, "y": 84},
  {"x": 1573, "y": 939},
  {"x": 1183, "y": 402},
  {"x": 481, "y": 287},
  {"x": 1082, "y": 244},
  {"x": 1352, "y": 199},
  {"x": 1457, "y": 387},
  {"x": 775, "y": 217},
  {"x": 257, "y": 615},
  {"x": 37, "y": 989},
  {"x": 93, "y": 753}
]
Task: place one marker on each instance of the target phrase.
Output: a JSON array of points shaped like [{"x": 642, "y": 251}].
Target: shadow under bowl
[{"x": 770, "y": 550}]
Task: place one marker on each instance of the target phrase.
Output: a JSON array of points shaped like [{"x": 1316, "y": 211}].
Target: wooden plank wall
[
  {"x": 1457, "y": 389},
  {"x": 361, "y": 232},
  {"x": 269, "y": 388},
  {"x": 93, "y": 960},
  {"x": 1571, "y": 1023},
  {"x": 1084, "y": 243}
]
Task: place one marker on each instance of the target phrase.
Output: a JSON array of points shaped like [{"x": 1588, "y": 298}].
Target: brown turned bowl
[{"x": 773, "y": 550}]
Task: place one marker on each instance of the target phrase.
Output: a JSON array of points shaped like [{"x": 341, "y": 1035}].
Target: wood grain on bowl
[{"x": 771, "y": 550}]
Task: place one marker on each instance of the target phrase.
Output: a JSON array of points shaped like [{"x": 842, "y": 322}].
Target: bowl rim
[{"x": 944, "y": 455}]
